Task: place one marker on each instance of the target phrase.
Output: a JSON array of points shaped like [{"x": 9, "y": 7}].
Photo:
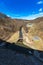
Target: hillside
[
  {"x": 9, "y": 26},
  {"x": 33, "y": 34},
  {"x": 37, "y": 28}
]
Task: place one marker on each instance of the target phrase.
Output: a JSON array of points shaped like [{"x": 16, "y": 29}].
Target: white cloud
[
  {"x": 8, "y": 15},
  {"x": 40, "y": 10},
  {"x": 31, "y": 17},
  {"x": 40, "y": 2}
]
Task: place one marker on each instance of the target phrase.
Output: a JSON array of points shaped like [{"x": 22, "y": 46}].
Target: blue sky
[{"x": 22, "y": 9}]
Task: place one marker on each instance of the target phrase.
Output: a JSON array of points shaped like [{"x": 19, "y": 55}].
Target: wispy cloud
[
  {"x": 31, "y": 17},
  {"x": 40, "y": 10},
  {"x": 40, "y": 2},
  {"x": 8, "y": 15}
]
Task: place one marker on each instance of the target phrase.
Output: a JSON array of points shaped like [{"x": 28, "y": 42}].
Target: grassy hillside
[
  {"x": 37, "y": 28},
  {"x": 9, "y": 26}
]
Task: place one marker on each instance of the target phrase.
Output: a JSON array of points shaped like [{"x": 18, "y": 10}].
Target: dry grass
[
  {"x": 14, "y": 37},
  {"x": 37, "y": 30}
]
